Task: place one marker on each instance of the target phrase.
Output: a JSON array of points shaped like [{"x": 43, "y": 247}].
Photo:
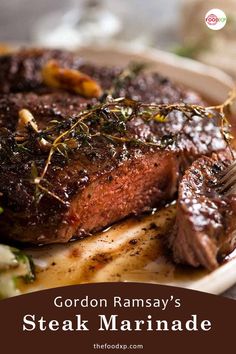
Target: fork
[{"x": 227, "y": 180}]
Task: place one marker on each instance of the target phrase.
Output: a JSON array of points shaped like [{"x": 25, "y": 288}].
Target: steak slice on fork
[{"x": 205, "y": 230}]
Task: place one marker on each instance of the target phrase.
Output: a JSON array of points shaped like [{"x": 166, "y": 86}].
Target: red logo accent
[{"x": 212, "y": 19}]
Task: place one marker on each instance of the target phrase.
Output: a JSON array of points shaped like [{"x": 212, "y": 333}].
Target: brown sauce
[{"x": 132, "y": 250}]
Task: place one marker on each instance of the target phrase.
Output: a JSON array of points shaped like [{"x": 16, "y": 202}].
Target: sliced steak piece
[
  {"x": 205, "y": 229},
  {"x": 100, "y": 193}
]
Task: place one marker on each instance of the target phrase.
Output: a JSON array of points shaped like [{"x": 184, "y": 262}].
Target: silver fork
[{"x": 227, "y": 182}]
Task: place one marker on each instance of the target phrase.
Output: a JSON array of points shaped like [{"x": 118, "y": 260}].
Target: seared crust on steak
[
  {"x": 22, "y": 86},
  {"x": 45, "y": 107}
]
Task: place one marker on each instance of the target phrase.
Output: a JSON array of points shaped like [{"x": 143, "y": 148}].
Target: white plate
[{"x": 110, "y": 256}]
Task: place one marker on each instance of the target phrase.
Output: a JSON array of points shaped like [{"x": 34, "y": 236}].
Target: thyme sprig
[{"x": 108, "y": 120}]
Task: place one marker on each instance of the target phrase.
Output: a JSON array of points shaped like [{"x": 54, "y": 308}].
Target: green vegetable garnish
[{"x": 15, "y": 266}]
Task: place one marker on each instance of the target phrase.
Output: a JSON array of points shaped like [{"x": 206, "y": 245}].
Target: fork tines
[{"x": 227, "y": 182}]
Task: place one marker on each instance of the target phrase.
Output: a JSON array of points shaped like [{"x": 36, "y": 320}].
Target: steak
[
  {"x": 104, "y": 177},
  {"x": 205, "y": 224},
  {"x": 102, "y": 182}
]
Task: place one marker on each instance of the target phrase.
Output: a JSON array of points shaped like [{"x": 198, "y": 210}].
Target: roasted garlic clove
[
  {"x": 26, "y": 118},
  {"x": 69, "y": 79}
]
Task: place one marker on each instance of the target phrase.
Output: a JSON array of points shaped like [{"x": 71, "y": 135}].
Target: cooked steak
[
  {"x": 102, "y": 181},
  {"x": 205, "y": 224},
  {"x": 121, "y": 167}
]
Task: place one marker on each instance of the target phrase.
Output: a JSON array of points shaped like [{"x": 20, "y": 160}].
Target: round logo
[{"x": 215, "y": 19}]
